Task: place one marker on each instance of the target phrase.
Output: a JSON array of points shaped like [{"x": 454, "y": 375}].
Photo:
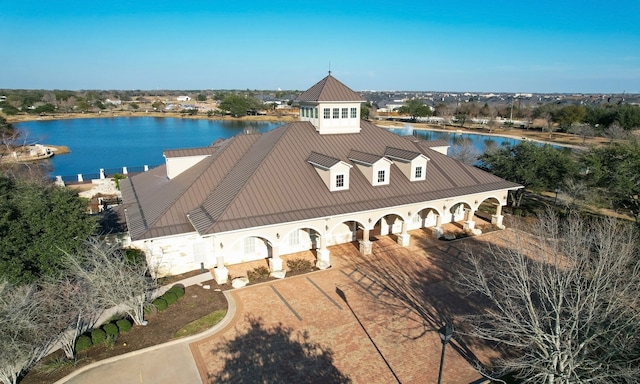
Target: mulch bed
[{"x": 196, "y": 303}]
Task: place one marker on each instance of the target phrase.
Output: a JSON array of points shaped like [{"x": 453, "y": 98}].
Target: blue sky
[{"x": 503, "y": 46}]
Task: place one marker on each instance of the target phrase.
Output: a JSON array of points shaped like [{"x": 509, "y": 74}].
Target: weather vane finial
[{"x": 329, "y": 67}]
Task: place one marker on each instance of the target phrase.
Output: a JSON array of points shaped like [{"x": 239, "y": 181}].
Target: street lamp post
[{"x": 445, "y": 334}]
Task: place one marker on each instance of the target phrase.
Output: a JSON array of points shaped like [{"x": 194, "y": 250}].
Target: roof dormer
[
  {"x": 332, "y": 107},
  {"x": 412, "y": 164},
  {"x": 376, "y": 168},
  {"x": 333, "y": 172}
]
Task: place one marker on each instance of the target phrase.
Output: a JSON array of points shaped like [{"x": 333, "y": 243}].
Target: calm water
[{"x": 113, "y": 143}]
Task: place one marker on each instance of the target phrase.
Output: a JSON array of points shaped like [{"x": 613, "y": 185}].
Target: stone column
[
  {"x": 323, "y": 254},
  {"x": 102, "y": 177},
  {"x": 497, "y": 218},
  {"x": 469, "y": 224},
  {"x": 438, "y": 231},
  {"x": 220, "y": 272},
  {"x": 275, "y": 263},
  {"x": 404, "y": 237},
  {"x": 365, "y": 243}
]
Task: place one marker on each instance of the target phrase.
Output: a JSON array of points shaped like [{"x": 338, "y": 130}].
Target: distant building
[{"x": 183, "y": 98}]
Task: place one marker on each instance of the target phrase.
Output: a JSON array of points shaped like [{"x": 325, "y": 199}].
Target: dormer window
[
  {"x": 327, "y": 113},
  {"x": 412, "y": 164},
  {"x": 336, "y": 113},
  {"x": 375, "y": 168},
  {"x": 333, "y": 172}
]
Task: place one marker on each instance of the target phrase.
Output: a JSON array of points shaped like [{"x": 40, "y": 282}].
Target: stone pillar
[
  {"x": 323, "y": 254},
  {"x": 275, "y": 263},
  {"x": 124, "y": 170},
  {"x": 102, "y": 177},
  {"x": 365, "y": 243},
  {"x": 404, "y": 237},
  {"x": 80, "y": 179},
  {"x": 438, "y": 231},
  {"x": 469, "y": 224},
  {"x": 220, "y": 272},
  {"x": 146, "y": 168},
  {"x": 497, "y": 218}
]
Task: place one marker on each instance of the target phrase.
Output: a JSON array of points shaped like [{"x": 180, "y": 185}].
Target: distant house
[
  {"x": 116, "y": 102},
  {"x": 183, "y": 98},
  {"x": 327, "y": 179}
]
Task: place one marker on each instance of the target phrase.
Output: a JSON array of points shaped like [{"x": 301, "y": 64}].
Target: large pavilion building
[{"x": 326, "y": 179}]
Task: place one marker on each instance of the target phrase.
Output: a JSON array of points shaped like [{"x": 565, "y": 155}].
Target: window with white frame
[
  {"x": 354, "y": 113},
  {"x": 336, "y": 113},
  {"x": 294, "y": 238},
  {"x": 345, "y": 113},
  {"x": 417, "y": 218},
  {"x": 327, "y": 113},
  {"x": 381, "y": 176},
  {"x": 418, "y": 172},
  {"x": 315, "y": 113},
  {"x": 249, "y": 245},
  {"x": 339, "y": 181}
]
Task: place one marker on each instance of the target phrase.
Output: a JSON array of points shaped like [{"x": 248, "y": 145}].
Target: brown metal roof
[
  {"x": 264, "y": 179},
  {"x": 330, "y": 89},
  {"x": 401, "y": 154},
  {"x": 322, "y": 161},
  {"x": 363, "y": 157}
]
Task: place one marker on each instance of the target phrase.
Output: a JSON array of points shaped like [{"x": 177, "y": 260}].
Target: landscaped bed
[{"x": 197, "y": 303}]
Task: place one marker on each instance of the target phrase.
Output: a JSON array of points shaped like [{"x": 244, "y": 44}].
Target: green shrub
[
  {"x": 258, "y": 273},
  {"x": 83, "y": 343},
  {"x": 110, "y": 329},
  {"x": 299, "y": 265},
  {"x": 160, "y": 304},
  {"x": 124, "y": 325},
  {"x": 170, "y": 297},
  {"x": 178, "y": 289},
  {"x": 98, "y": 336}
]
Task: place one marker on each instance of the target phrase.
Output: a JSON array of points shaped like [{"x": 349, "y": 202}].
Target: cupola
[{"x": 332, "y": 107}]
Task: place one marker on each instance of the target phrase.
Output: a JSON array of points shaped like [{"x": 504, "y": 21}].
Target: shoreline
[{"x": 556, "y": 138}]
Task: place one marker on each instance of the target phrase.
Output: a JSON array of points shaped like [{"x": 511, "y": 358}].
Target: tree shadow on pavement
[
  {"x": 275, "y": 354},
  {"x": 419, "y": 288}
]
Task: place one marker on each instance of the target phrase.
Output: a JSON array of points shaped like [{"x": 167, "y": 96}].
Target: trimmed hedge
[
  {"x": 170, "y": 297},
  {"x": 124, "y": 325},
  {"x": 178, "y": 289},
  {"x": 83, "y": 343},
  {"x": 98, "y": 336},
  {"x": 110, "y": 329},
  {"x": 299, "y": 265},
  {"x": 160, "y": 304}
]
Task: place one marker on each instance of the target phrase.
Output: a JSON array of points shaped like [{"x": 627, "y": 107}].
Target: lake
[
  {"x": 112, "y": 143},
  {"x": 132, "y": 142}
]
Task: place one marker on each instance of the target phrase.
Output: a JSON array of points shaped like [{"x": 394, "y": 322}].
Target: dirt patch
[{"x": 196, "y": 303}]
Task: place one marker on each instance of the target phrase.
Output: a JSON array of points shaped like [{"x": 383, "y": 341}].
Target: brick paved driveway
[{"x": 399, "y": 297}]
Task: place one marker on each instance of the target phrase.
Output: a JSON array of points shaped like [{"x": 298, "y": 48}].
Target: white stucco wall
[{"x": 179, "y": 254}]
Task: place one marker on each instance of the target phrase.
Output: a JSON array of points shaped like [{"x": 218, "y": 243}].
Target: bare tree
[
  {"x": 615, "y": 132},
  {"x": 77, "y": 309},
  {"x": 25, "y": 337},
  {"x": 463, "y": 150},
  {"x": 565, "y": 301},
  {"x": 115, "y": 280}
]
